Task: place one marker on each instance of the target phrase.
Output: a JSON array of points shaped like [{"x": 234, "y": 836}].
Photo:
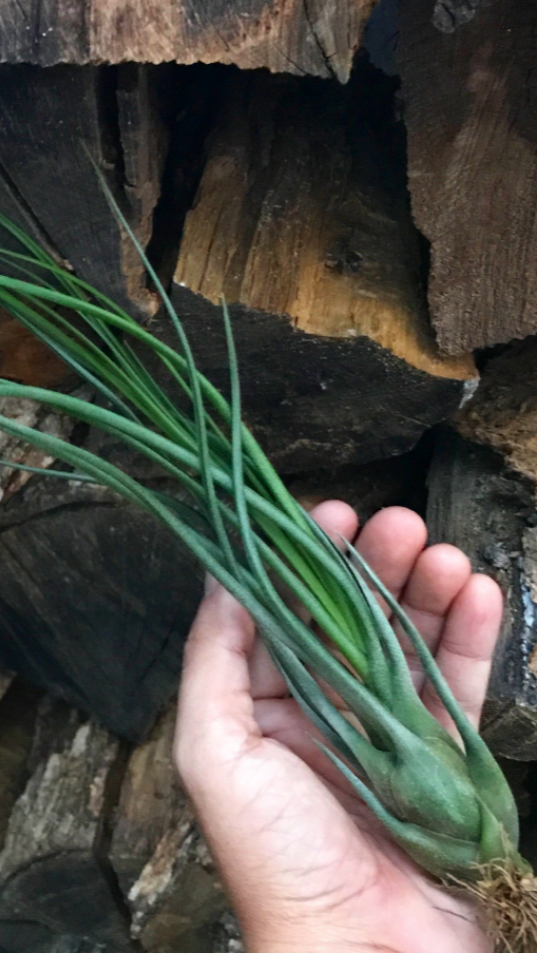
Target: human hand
[{"x": 305, "y": 864}]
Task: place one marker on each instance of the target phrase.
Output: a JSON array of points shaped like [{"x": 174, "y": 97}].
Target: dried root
[{"x": 507, "y": 899}]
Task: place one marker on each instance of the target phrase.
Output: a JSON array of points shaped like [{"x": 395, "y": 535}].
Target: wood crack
[{"x": 326, "y": 59}]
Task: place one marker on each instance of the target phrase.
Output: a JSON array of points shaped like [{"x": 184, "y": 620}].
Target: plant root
[{"x": 507, "y": 899}]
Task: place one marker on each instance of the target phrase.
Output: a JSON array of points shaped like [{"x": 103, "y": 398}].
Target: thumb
[{"x": 215, "y": 718}]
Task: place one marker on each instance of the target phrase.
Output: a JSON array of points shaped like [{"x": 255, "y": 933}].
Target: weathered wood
[
  {"x": 227, "y": 935},
  {"x": 95, "y": 600},
  {"x": 51, "y": 123},
  {"x": 18, "y": 712},
  {"x": 298, "y": 37},
  {"x": 311, "y": 399},
  {"x": 470, "y": 107},
  {"x": 52, "y": 872},
  {"x": 31, "y": 415},
  {"x": 302, "y": 222},
  {"x": 482, "y": 497},
  {"x": 160, "y": 860},
  {"x": 150, "y": 804},
  {"x": 102, "y": 851}
]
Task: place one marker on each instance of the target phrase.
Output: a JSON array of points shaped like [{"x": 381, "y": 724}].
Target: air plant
[{"x": 445, "y": 801}]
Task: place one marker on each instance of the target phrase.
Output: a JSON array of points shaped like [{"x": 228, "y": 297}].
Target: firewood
[
  {"x": 95, "y": 601},
  {"x": 301, "y": 221},
  {"x": 483, "y": 498},
  {"x": 469, "y": 106},
  {"x": 158, "y": 854},
  {"x": 53, "y": 869},
  {"x": 52, "y": 124},
  {"x": 294, "y": 37}
]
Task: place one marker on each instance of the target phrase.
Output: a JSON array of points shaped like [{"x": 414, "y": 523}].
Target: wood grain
[
  {"x": 18, "y": 713},
  {"x": 302, "y": 222},
  {"x": 51, "y": 123},
  {"x": 302, "y": 211},
  {"x": 295, "y": 36},
  {"x": 95, "y": 600},
  {"x": 470, "y": 109}
]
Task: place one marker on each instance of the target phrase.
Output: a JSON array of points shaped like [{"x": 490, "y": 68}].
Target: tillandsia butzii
[{"x": 444, "y": 800}]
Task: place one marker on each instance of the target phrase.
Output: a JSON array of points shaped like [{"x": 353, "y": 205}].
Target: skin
[{"x": 306, "y": 866}]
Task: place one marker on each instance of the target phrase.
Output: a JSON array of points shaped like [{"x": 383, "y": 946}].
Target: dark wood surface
[
  {"x": 316, "y": 37},
  {"x": 493, "y": 509},
  {"x": 95, "y": 601},
  {"x": 51, "y": 123},
  {"x": 483, "y": 498},
  {"x": 313, "y": 399},
  {"x": 479, "y": 504},
  {"x": 450, "y": 14},
  {"x": 470, "y": 101}
]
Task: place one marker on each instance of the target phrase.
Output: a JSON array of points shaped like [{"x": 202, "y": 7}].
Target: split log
[
  {"x": 101, "y": 849},
  {"x": 51, "y": 123},
  {"x": 470, "y": 101},
  {"x": 54, "y": 877},
  {"x": 160, "y": 859},
  {"x": 96, "y": 600},
  {"x": 313, "y": 37},
  {"x": 301, "y": 219},
  {"x": 25, "y": 359},
  {"x": 302, "y": 222},
  {"x": 482, "y": 497}
]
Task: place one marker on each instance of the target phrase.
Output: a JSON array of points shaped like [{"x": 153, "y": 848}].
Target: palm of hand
[{"x": 308, "y": 868}]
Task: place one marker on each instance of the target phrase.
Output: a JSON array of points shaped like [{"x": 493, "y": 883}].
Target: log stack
[{"x": 366, "y": 208}]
